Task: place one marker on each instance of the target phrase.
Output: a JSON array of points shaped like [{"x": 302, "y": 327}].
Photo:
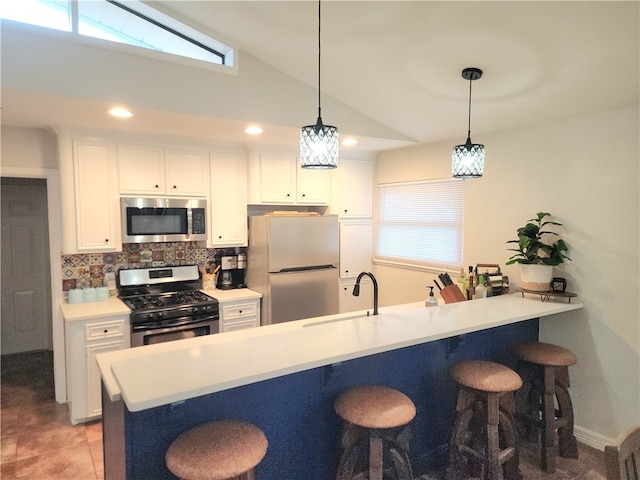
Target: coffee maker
[{"x": 232, "y": 270}]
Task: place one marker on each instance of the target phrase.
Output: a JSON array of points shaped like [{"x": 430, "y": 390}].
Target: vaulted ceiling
[{"x": 398, "y": 65}]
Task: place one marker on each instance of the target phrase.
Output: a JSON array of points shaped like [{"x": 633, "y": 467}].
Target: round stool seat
[
  {"x": 216, "y": 451},
  {"x": 486, "y": 376},
  {"x": 545, "y": 354},
  {"x": 373, "y": 406}
]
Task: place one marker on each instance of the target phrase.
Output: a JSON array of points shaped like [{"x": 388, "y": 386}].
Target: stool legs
[
  {"x": 543, "y": 386},
  {"x": 363, "y": 453},
  {"x": 485, "y": 432}
]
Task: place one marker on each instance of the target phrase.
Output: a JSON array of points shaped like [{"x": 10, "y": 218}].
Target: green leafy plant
[{"x": 532, "y": 250}]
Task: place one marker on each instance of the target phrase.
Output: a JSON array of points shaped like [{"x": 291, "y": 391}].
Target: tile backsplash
[{"x": 88, "y": 270}]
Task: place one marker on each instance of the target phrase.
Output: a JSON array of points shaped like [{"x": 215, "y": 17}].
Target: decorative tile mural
[{"x": 88, "y": 270}]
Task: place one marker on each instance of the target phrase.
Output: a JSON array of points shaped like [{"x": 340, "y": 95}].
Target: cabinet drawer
[
  {"x": 239, "y": 325},
  {"x": 242, "y": 310},
  {"x": 97, "y": 331}
]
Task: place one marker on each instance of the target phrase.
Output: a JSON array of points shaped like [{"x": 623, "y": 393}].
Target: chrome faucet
[{"x": 356, "y": 289}]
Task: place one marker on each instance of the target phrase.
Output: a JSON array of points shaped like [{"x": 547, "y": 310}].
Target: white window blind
[{"x": 420, "y": 223}]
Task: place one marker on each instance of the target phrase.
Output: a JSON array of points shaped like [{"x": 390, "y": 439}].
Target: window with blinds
[{"x": 420, "y": 224}]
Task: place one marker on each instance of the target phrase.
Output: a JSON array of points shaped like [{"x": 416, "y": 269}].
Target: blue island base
[{"x": 296, "y": 411}]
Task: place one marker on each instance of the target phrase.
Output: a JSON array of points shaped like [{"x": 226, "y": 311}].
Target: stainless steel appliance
[
  {"x": 163, "y": 219},
  {"x": 293, "y": 263},
  {"x": 232, "y": 269},
  {"x": 166, "y": 304}
]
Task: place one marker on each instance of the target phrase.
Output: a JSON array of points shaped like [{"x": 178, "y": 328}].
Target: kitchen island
[{"x": 285, "y": 377}]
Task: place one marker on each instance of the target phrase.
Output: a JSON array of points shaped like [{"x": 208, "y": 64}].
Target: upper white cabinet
[
  {"x": 147, "y": 170},
  {"x": 353, "y": 189},
  {"x": 312, "y": 185},
  {"x": 228, "y": 206},
  {"x": 277, "y": 179},
  {"x": 90, "y": 202},
  {"x": 356, "y": 247}
]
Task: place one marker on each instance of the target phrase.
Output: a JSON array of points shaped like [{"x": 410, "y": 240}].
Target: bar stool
[
  {"x": 484, "y": 434},
  {"x": 220, "y": 450},
  {"x": 545, "y": 374},
  {"x": 376, "y": 428}
]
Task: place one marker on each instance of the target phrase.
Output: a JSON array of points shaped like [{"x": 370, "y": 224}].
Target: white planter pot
[{"x": 536, "y": 277}]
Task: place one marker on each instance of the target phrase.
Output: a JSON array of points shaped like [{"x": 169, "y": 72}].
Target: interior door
[{"x": 26, "y": 293}]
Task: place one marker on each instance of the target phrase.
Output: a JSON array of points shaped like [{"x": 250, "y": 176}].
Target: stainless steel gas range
[{"x": 166, "y": 304}]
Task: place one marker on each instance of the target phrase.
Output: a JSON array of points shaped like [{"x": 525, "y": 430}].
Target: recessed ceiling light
[
  {"x": 120, "y": 112},
  {"x": 349, "y": 142},
  {"x": 253, "y": 130}
]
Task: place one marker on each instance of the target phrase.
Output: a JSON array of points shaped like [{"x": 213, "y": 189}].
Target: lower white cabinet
[
  {"x": 84, "y": 340},
  {"x": 239, "y": 315},
  {"x": 348, "y": 302}
]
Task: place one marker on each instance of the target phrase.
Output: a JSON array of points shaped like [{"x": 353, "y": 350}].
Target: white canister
[
  {"x": 102, "y": 293},
  {"x": 89, "y": 294},
  {"x": 75, "y": 295}
]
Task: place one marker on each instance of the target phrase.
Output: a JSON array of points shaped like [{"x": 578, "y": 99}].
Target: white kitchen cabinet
[
  {"x": 356, "y": 247},
  {"x": 278, "y": 179},
  {"x": 90, "y": 203},
  {"x": 350, "y": 303},
  {"x": 147, "y": 170},
  {"x": 228, "y": 206},
  {"x": 239, "y": 315},
  {"x": 353, "y": 189},
  {"x": 84, "y": 340},
  {"x": 312, "y": 186}
]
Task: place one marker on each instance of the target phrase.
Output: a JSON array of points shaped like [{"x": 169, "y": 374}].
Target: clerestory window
[{"x": 128, "y": 22}]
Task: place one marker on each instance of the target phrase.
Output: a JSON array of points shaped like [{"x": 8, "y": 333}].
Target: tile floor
[{"x": 39, "y": 443}]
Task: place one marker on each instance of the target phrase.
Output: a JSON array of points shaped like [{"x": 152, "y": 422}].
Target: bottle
[
  {"x": 462, "y": 281},
  {"x": 487, "y": 285},
  {"x": 431, "y": 301},
  {"x": 471, "y": 285},
  {"x": 481, "y": 290}
]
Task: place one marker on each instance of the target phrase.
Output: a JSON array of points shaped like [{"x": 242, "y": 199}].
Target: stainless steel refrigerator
[{"x": 293, "y": 263}]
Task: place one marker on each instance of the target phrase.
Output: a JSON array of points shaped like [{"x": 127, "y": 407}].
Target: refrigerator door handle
[{"x": 304, "y": 269}]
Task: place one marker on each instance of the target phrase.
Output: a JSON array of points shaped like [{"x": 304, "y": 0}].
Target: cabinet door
[
  {"x": 187, "y": 173},
  {"x": 356, "y": 247},
  {"x": 94, "y": 395},
  {"x": 277, "y": 179},
  {"x": 355, "y": 188},
  {"x": 312, "y": 186},
  {"x": 96, "y": 202},
  {"x": 228, "y": 201},
  {"x": 350, "y": 303},
  {"x": 141, "y": 169}
]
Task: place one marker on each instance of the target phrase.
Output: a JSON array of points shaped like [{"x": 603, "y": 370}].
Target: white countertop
[
  {"x": 155, "y": 375},
  {"x": 233, "y": 295},
  {"x": 114, "y": 306}
]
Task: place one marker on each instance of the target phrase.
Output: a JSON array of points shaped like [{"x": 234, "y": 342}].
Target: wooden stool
[
  {"x": 221, "y": 450},
  {"x": 376, "y": 428},
  {"x": 485, "y": 432},
  {"x": 545, "y": 374}
]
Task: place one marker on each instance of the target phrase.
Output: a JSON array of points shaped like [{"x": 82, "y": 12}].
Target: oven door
[{"x": 187, "y": 327}]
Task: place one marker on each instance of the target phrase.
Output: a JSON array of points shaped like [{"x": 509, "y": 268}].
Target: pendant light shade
[
  {"x": 467, "y": 160},
  {"x": 319, "y": 142}
]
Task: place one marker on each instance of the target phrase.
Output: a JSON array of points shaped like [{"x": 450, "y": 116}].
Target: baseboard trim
[{"x": 592, "y": 439}]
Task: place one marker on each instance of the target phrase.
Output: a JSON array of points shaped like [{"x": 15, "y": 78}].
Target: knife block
[{"x": 452, "y": 294}]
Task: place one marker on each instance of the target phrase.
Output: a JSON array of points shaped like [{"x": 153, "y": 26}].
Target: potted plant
[{"x": 536, "y": 253}]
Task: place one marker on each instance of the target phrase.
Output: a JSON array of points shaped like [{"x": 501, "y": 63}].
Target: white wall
[
  {"x": 585, "y": 172},
  {"x": 28, "y": 148}
]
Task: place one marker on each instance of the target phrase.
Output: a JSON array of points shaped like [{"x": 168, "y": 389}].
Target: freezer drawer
[{"x": 302, "y": 294}]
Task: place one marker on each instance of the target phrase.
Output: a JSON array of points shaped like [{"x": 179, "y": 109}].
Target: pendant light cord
[
  {"x": 319, "y": 52},
  {"x": 469, "y": 124}
]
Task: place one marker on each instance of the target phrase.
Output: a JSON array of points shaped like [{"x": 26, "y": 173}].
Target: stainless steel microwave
[{"x": 163, "y": 220}]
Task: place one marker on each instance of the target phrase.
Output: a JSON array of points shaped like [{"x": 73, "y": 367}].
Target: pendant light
[
  {"x": 467, "y": 160},
  {"x": 319, "y": 142}
]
